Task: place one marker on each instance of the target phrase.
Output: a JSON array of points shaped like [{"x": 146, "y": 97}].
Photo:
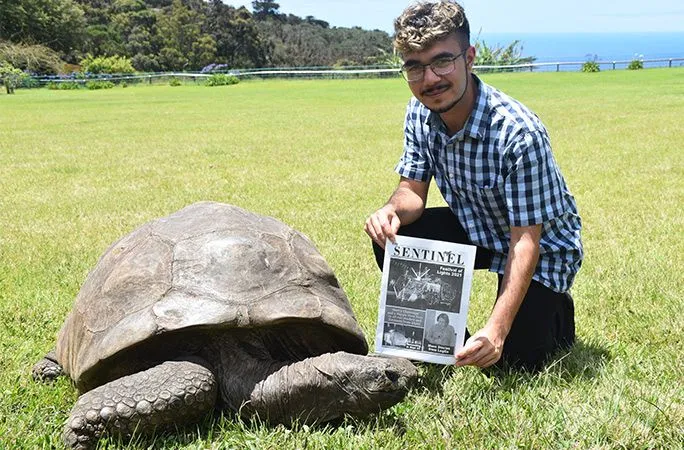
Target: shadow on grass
[{"x": 583, "y": 361}]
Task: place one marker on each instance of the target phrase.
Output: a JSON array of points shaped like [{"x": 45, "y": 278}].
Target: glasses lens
[
  {"x": 414, "y": 73},
  {"x": 443, "y": 66}
]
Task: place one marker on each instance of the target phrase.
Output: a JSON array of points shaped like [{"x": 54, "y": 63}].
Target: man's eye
[{"x": 441, "y": 63}]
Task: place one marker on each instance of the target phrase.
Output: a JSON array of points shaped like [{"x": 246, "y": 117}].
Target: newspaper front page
[{"x": 424, "y": 299}]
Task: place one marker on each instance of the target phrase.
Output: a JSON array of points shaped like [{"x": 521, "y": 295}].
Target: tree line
[{"x": 170, "y": 35}]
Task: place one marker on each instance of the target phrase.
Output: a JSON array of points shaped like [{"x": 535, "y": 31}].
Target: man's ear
[{"x": 470, "y": 56}]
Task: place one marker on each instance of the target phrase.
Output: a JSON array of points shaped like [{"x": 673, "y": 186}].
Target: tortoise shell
[{"x": 205, "y": 268}]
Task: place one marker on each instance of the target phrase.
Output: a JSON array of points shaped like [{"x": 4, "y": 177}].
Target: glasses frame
[{"x": 451, "y": 59}]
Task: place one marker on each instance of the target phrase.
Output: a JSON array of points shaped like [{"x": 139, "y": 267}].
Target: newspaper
[{"x": 424, "y": 299}]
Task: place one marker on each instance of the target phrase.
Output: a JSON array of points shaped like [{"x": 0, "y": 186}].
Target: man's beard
[{"x": 444, "y": 109}]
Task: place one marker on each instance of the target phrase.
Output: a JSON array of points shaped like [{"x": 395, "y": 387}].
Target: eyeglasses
[{"x": 440, "y": 67}]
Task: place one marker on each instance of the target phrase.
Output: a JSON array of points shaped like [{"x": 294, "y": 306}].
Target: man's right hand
[{"x": 383, "y": 224}]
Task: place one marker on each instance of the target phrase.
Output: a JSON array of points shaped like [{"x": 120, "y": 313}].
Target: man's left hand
[{"x": 482, "y": 349}]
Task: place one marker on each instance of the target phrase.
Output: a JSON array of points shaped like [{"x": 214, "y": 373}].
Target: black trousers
[{"x": 545, "y": 321}]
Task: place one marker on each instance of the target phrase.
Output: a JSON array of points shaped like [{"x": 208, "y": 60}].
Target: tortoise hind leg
[
  {"x": 47, "y": 369},
  {"x": 174, "y": 392}
]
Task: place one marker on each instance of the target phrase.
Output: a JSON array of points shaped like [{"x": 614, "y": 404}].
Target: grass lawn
[{"x": 78, "y": 169}]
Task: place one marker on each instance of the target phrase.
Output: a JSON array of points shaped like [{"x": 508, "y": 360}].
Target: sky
[{"x": 505, "y": 16}]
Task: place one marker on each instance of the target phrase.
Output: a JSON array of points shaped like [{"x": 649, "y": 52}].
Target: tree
[
  {"x": 265, "y": 9},
  {"x": 185, "y": 46},
  {"x": 31, "y": 58},
  {"x": 238, "y": 41},
  {"x": 58, "y": 24},
  {"x": 11, "y": 77}
]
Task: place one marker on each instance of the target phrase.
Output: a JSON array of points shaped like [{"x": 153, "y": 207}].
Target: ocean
[{"x": 581, "y": 47}]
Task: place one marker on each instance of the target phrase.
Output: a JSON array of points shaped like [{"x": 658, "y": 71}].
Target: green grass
[{"x": 78, "y": 169}]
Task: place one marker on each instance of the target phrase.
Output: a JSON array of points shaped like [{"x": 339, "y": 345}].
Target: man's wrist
[{"x": 501, "y": 327}]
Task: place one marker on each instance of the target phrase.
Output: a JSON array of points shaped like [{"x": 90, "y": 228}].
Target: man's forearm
[
  {"x": 406, "y": 204},
  {"x": 522, "y": 260}
]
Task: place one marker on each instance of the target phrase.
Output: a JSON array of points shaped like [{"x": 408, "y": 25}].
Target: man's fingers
[
  {"x": 381, "y": 226},
  {"x": 472, "y": 345},
  {"x": 469, "y": 352},
  {"x": 375, "y": 230},
  {"x": 377, "y": 223},
  {"x": 393, "y": 224}
]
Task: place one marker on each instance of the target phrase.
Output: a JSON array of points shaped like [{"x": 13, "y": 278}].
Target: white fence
[{"x": 357, "y": 72}]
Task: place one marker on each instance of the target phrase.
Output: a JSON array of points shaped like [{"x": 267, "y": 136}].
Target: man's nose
[{"x": 430, "y": 77}]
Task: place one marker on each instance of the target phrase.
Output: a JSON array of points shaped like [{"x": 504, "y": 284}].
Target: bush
[
  {"x": 591, "y": 65},
  {"x": 637, "y": 63},
  {"x": 65, "y": 86},
  {"x": 497, "y": 55},
  {"x": 221, "y": 79},
  {"x": 11, "y": 77},
  {"x": 93, "y": 85},
  {"x": 175, "y": 82},
  {"x": 31, "y": 58},
  {"x": 106, "y": 64},
  {"x": 29, "y": 83}
]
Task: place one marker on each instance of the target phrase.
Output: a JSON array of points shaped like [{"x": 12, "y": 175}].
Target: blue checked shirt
[{"x": 498, "y": 172}]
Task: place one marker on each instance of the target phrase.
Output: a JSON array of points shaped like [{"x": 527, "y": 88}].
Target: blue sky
[{"x": 505, "y": 16}]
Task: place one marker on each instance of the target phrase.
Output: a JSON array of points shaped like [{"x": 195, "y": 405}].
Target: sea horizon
[{"x": 583, "y": 46}]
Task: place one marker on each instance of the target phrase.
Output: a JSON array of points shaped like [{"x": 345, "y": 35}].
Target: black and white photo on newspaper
[{"x": 424, "y": 299}]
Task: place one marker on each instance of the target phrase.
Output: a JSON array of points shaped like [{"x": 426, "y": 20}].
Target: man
[{"x": 491, "y": 159}]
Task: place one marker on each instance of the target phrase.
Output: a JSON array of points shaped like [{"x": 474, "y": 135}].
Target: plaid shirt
[{"x": 495, "y": 173}]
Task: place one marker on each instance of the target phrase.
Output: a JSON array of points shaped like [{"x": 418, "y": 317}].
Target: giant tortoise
[{"x": 214, "y": 306}]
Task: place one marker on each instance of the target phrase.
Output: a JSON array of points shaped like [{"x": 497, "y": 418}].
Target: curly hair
[{"x": 423, "y": 23}]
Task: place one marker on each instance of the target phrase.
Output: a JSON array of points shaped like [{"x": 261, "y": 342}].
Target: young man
[{"x": 491, "y": 159}]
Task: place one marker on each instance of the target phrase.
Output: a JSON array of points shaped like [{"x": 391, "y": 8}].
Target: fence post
[
  {"x": 613, "y": 65},
  {"x": 670, "y": 65},
  {"x": 557, "y": 67}
]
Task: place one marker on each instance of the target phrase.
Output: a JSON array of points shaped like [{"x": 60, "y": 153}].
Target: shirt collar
[{"x": 476, "y": 124}]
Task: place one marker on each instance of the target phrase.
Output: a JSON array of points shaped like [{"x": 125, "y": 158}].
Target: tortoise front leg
[
  {"x": 325, "y": 387},
  {"x": 170, "y": 393},
  {"x": 47, "y": 369}
]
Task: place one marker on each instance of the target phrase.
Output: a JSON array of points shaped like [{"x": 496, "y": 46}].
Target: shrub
[
  {"x": 11, "y": 77},
  {"x": 637, "y": 63},
  {"x": 498, "y": 55},
  {"x": 29, "y": 82},
  {"x": 65, "y": 86},
  {"x": 591, "y": 65},
  {"x": 31, "y": 58},
  {"x": 106, "y": 64},
  {"x": 93, "y": 85},
  {"x": 221, "y": 79},
  {"x": 173, "y": 81}
]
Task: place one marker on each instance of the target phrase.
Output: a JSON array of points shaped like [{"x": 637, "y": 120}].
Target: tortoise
[{"x": 215, "y": 307}]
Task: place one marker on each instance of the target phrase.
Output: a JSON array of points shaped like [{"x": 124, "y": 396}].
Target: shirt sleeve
[
  {"x": 534, "y": 186},
  {"x": 415, "y": 162}
]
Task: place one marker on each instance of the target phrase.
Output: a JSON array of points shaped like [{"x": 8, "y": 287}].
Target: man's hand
[
  {"x": 482, "y": 349},
  {"x": 383, "y": 224},
  {"x": 407, "y": 202}
]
